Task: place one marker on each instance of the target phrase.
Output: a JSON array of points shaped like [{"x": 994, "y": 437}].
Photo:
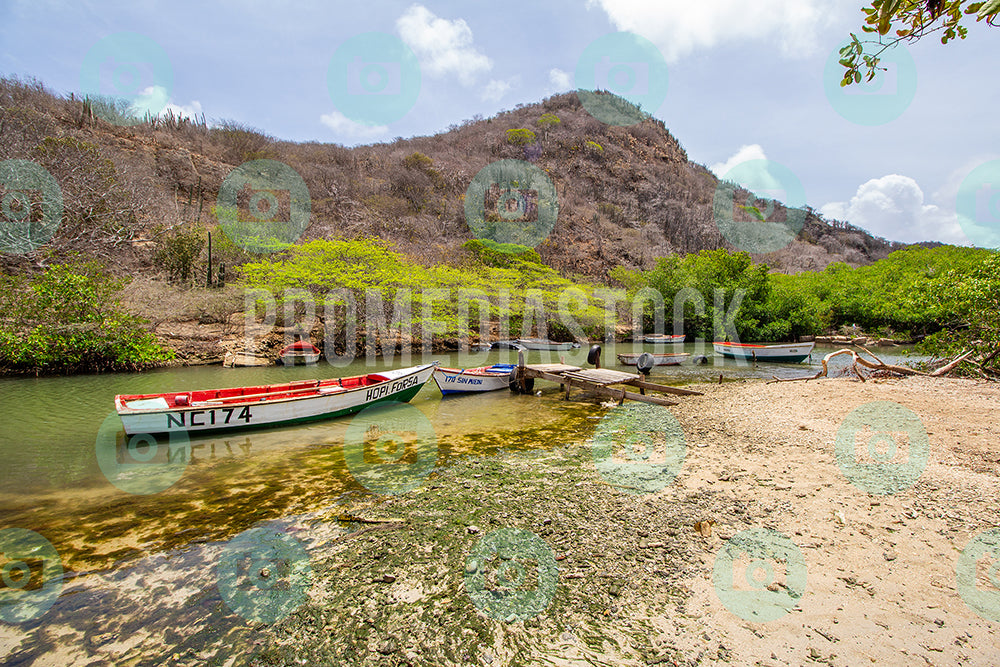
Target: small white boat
[
  {"x": 299, "y": 352},
  {"x": 787, "y": 353},
  {"x": 469, "y": 380},
  {"x": 545, "y": 344},
  {"x": 631, "y": 358},
  {"x": 662, "y": 339},
  {"x": 267, "y": 405}
]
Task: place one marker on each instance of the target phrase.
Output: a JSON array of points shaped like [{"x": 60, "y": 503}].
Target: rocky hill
[{"x": 626, "y": 195}]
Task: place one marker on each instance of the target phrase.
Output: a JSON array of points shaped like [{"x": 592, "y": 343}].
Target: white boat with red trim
[
  {"x": 662, "y": 339},
  {"x": 787, "y": 353},
  {"x": 545, "y": 345},
  {"x": 469, "y": 380},
  {"x": 631, "y": 358},
  {"x": 299, "y": 352},
  {"x": 267, "y": 405}
]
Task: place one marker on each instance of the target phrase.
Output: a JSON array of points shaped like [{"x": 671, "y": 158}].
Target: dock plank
[{"x": 603, "y": 376}]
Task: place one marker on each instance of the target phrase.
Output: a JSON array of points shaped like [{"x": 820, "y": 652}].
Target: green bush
[
  {"x": 68, "y": 319},
  {"x": 178, "y": 253},
  {"x": 521, "y": 137}
]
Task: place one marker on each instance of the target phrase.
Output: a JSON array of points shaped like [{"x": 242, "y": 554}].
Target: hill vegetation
[{"x": 385, "y": 225}]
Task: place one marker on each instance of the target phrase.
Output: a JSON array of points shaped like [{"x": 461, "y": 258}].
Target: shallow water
[{"x": 121, "y": 523}]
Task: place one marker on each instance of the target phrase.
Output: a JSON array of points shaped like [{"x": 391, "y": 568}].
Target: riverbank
[
  {"x": 635, "y": 579},
  {"x": 616, "y": 572}
]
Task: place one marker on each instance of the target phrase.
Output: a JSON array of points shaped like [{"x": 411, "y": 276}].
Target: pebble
[
  {"x": 473, "y": 530},
  {"x": 388, "y": 578},
  {"x": 889, "y": 555},
  {"x": 471, "y": 567}
]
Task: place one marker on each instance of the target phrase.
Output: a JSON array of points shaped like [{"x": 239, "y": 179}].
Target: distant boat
[
  {"x": 662, "y": 339},
  {"x": 299, "y": 352},
  {"x": 630, "y": 358},
  {"x": 485, "y": 378},
  {"x": 789, "y": 353},
  {"x": 545, "y": 344},
  {"x": 267, "y": 405}
]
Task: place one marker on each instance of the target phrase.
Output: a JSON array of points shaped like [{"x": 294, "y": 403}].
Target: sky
[{"x": 913, "y": 157}]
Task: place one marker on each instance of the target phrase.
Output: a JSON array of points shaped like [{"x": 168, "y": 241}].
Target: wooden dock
[{"x": 599, "y": 381}]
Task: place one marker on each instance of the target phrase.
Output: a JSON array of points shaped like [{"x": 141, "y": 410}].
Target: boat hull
[
  {"x": 630, "y": 358},
  {"x": 546, "y": 346},
  {"x": 299, "y": 358},
  {"x": 662, "y": 340},
  {"x": 774, "y": 353},
  {"x": 210, "y": 416},
  {"x": 474, "y": 380}
]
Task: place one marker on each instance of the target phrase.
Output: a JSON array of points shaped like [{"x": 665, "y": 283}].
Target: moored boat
[
  {"x": 631, "y": 358},
  {"x": 299, "y": 352},
  {"x": 788, "y": 353},
  {"x": 267, "y": 405},
  {"x": 662, "y": 339},
  {"x": 468, "y": 380},
  {"x": 545, "y": 344}
]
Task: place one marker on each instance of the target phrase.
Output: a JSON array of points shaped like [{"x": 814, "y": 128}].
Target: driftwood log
[{"x": 877, "y": 365}]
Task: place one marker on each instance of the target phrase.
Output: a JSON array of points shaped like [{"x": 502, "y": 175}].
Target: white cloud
[
  {"x": 680, "y": 27},
  {"x": 745, "y": 153},
  {"x": 155, "y": 99},
  {"x": 496, "y": 89},
  {"x": 443, "y": 47},
  {"x": 348, "y": 129},
  {"x": 893, "y": 207},
  {"x": 559, "y": 80}
]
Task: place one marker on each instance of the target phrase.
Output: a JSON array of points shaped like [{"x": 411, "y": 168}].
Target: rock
[
  {"x": 807, "y": 339},
  {"x": 471, "y": 567},
  {"x": 889, "y": 555},
  {"x": 473, "y": 530},
  {"x": 388, "y": 578},
  {"x": 859, "y": 341},
  {"x": 823, "y": 340},
  {"x": 388, "y": 647}
]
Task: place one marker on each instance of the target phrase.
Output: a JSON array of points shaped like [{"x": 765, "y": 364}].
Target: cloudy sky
[{"x": 735, "y": 80}]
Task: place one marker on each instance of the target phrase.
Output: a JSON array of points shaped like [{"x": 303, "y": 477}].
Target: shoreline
[
  {"x": 635, "y": 582},
  {"x": 625, "y": 570}
]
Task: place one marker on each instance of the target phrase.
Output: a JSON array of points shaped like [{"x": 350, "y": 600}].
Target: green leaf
[
  {"x": 989, "y": 8},
  {"x": 888, "y": 12}
]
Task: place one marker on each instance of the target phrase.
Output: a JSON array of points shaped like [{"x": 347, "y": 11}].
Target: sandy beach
[{"x": 635, "y": 578}]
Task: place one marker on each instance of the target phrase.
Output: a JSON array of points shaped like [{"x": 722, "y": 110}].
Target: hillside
[{"x": 626, "y": 195}]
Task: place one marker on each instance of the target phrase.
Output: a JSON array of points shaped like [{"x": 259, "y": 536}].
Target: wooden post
[{"x": 208, "y": 283}]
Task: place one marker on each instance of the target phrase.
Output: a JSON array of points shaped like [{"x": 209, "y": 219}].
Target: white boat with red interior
[{"x": 267, "y": 405}]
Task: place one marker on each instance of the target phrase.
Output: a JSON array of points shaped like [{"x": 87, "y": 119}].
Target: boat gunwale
[{"x": 121, "y": 408}]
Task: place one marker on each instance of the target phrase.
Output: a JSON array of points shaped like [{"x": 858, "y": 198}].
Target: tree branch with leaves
[{"x": 892, "y": 22}]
